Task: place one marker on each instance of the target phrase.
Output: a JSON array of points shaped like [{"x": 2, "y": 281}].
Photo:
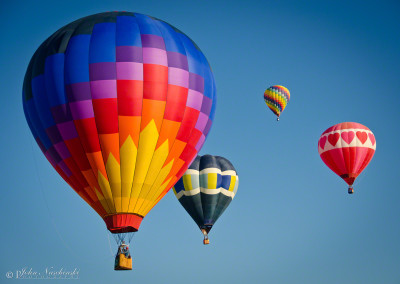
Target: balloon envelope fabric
[
  {"x": 120, "y": 103},
  {"x": 347, "y": 148},
  {"x": 207, "y": 188},
  {"x": 276, "y": 98}
]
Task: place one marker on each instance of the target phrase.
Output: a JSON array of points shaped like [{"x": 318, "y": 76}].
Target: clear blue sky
[{"x": 292, "y": 220}]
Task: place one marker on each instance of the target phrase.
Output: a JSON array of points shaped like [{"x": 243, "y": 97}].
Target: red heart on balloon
[
  {"x": 333, "y": 138},
  {"x": 372, "y": 138},
  {"x": 347, "y": 136},
  {"x": 362, "y": 136},
  {"x": 322, "y": 142}
]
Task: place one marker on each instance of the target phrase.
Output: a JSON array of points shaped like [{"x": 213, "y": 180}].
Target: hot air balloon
[
  {"x": 206, "y": 189},
  {"x": 120, "y": 103},
  {"x": 347, "y": 148},
  {"x": 276, "y": 98}
]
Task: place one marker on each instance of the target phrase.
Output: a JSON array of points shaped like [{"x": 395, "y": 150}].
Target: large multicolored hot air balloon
[
  {"x": 206, "y": 189},
  {"x": 347, "y": 148},
  {"x": 120, "y": 103},
  {"x": 276, "y": 98}
]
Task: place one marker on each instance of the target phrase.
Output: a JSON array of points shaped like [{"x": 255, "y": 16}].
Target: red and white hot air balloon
[{"x": 347, "y": 148}]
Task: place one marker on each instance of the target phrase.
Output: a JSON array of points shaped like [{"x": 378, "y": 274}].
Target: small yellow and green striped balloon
[{"x": 276, "y": 97}]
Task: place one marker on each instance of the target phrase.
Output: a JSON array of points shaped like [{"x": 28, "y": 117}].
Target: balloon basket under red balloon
[{"x": 350, "y": 190}]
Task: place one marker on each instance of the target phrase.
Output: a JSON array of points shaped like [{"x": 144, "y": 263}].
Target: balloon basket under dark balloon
[{"x": 205, "y": 230}]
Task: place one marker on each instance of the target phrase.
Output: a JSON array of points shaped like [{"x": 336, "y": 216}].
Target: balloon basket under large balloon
[
  {"x": 123, "y": 262},
  {"x": 350, "y": 190},
  {"x": 123, "y": 258},
  {"x": 277, "y": 119}
]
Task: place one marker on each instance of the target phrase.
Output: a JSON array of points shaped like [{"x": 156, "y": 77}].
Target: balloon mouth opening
[
  {"x": 349, "y": 178},
  {"x": 205, "y": 229},
  {"x": 122, "y": 230},
  {"x": 123, "y": 223}
]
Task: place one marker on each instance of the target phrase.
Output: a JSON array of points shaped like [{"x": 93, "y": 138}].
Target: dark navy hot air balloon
[{"x": 206, "y": 189}]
